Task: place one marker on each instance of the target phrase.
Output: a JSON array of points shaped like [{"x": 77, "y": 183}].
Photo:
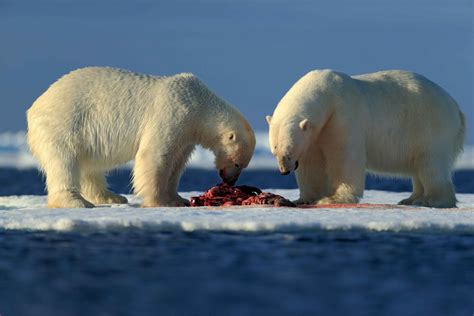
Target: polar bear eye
[
  {"x": 237, "y": 165},
  {"x": 231, "y": 136}
]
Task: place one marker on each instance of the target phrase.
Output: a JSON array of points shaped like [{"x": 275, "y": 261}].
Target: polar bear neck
[
  {"x": 316, "y": 106},
  {"x": 209, "y": 115},
  {"x": 219, "y": 118},
  {"x": 313, "y": 97}
]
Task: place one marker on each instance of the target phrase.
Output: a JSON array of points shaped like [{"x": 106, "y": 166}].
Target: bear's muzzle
[
  {"x": 230, "y": 175},
  {"x": 286, "y": 166}
]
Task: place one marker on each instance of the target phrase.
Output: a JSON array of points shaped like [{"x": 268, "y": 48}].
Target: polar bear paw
[
  {"x": 407, "y": 201},
  {"x": 349, "y": 199},
  {"x": 182, "y": 201},
  {"x": 178, "y": 201},
  {"x": 68, "y": 199},
  {"x": 435, "y": 202},
  {"x": 108, "y": 198},
  {"x": 326, "y": 201},
  {"x": 304, "y": 201},
  {"x": 117, "y": 199}
]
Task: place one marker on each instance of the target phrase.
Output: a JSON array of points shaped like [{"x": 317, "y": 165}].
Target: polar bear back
[
  {"x": 405, "y": 91},
  {"x": 408, "y": 116},
  {"x": 103, "y": 111}
]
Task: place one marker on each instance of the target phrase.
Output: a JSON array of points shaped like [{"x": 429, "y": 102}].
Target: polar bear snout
[
  {"x": 286, "y": 164},
  {"x": 230, "y": 175}
]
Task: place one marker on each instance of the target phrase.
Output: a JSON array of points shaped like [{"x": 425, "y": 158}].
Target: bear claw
[
  {"x": 68, "y": 199},
  {"x": 406, "y": 202}
]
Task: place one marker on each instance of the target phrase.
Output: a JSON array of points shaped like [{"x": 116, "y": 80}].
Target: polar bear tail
[{"x": 461, "y": 135}]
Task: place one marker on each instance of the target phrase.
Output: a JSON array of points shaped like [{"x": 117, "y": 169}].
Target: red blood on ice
[
  {"x": 226, "y": 195},
  {"x": 352, "y": 205}
]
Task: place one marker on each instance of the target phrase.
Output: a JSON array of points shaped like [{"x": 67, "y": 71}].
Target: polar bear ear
[
  {"x": 304, "y": 124},
  {"x": 269, "y": 119}
]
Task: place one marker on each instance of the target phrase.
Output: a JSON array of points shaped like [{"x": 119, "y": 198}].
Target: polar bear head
[
  {"x": 288, "y": 139},
  {"x": 234, "y": 147}
]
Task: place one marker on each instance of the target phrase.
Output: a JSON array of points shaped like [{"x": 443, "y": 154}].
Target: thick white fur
[
  {"x": 93, "y": 119},
  {"x": 390, "y": 122}
]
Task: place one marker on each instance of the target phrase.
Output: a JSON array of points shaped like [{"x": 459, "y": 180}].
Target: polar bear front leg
[
  {"x": 179, "y": 166},
  {"x": 94, "y": 189},
  {"x": 346, "y": 172},
  {"x": 312, "y": 178},
  {"x": 152, "y": 174}
]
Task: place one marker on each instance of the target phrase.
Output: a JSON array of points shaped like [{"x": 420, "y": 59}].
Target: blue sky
[{"x": 248, "y": 52}]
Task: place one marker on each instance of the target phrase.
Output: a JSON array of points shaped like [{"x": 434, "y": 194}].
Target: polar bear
[
  {"x": 95, "y": 118},
  {"x": 334, "y": 127}
]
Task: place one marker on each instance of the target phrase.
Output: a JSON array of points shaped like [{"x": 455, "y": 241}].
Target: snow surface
[{"x": 29, "y": 213}]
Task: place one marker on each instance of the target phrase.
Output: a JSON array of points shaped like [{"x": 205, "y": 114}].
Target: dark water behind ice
[
  {"x": 135, "y": 272},
  {"x": 29, "y": 181},
  {"x": 142, "y": 272}
]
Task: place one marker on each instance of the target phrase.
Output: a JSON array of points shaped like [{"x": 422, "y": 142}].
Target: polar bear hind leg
[
  {"x": 436, "y": 178},
  {"x": 417, "y": 191},
  {"x": 62, "y": 180},
  {"x": 94, "y": 189}
]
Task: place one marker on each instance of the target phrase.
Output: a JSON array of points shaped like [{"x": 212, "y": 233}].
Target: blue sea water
[
  {"x": 310, "y": 272},
  {"x": 134, "y": 272},
  {"x": 29, "y": 181}
]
